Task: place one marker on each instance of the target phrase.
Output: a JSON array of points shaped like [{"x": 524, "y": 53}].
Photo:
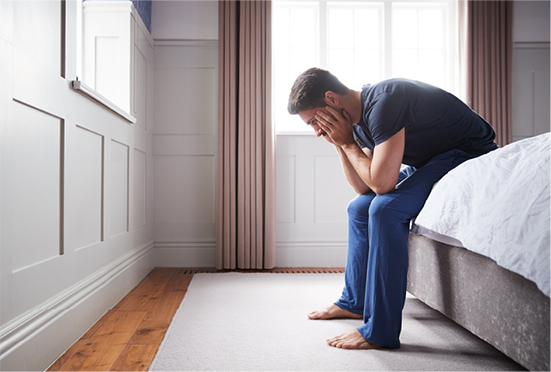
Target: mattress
[{"x": 497, "y": 205}]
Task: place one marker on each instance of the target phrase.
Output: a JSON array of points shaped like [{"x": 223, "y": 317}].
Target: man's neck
[{"x": 354, "y": 103}]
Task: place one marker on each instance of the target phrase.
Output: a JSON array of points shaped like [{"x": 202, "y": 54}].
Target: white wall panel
[
  {"x": 119, "y": 188},
  {"x": 140, "y": 189},
  {"x": 35, "y": 213},
  {"x": 189, "y": 103},
  {"x": 184, "y": 197},
  {"x": 140, "y": 91},
  {"x": 6, "y": 20},
  {"x": 38, "y": 33},
  {"x": 531, "y": 90},
  {"x": 37, "y": 55},
  {"x": 185, "y": 20},
  {"x": 531, "y": 21},
  {"x": 184, "y": 151},
  {"x": 6, "y": 76},
  {"x": 286, "y": 189},
  {"x": 312, "y": 198},
  {"x": 332, "y": 192},
  {"x": 88, "y": 180}
]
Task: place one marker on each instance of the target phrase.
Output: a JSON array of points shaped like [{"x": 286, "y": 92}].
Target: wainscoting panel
[
  {"x": 189, "y": 105},
  {"x": 38, "y": 56},
  {"x": 531, "y": 95},
  {"x": 140, "y": 189},
  {"x": 119, "y": 188},
  {"x": 312, "y": 198},
  {"x": 286, "y": 189},
  {"x": 33, "y": 16},
  {"x": 89, "y": 177},
  {"x": 140, "y": 91},
  {"x": 36, "y": 149},
  {"x": 331, "y": 190},
  {"x": 184, "y": 203}
]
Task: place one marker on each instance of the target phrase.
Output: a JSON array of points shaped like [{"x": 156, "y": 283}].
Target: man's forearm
[{"x": 351, "y": 174}]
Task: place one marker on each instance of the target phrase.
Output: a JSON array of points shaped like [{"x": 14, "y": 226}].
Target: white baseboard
[
  {"x": 311, "y": 254},
  {"x": 37, "y": 340},
  {"x": 289, "y": 254},
  {"x": 185, "y": 254}
]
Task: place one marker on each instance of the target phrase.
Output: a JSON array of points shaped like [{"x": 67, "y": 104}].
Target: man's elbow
[{"x": 382, "y": 189}]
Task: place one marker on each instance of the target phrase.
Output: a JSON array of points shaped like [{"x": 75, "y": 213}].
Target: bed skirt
[{"x": 499, "y": 306}]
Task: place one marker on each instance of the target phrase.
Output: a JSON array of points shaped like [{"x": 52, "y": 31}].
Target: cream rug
[{"x": 257, "y": 322}]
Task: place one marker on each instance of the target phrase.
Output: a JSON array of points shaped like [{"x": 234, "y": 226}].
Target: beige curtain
[
  {"x": 486, "y": 48},
  {"x": 246, "y": 169}
]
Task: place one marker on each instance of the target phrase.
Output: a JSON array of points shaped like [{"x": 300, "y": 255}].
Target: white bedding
[{"x": 497, "y": 205}]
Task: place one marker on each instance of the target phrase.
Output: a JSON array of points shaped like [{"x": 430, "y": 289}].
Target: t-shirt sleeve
[
  {"x": 390, "y": 113},
  {"x": 361, "y": 138}
]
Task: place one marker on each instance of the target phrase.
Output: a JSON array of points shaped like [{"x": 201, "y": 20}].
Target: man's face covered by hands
[{"x": 331, "y": 123}]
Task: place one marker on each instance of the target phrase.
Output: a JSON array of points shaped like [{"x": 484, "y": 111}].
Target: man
[{"x": 375, "y": 131}]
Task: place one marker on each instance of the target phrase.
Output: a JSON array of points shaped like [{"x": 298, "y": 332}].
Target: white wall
[
  {"x": 185, "y": 140},
  {"x": 184, "y": 148},
  {"x": 531, "y": 34},
  {"x": 76, "y": 186},
  {"x": 184, "y": 20},
  {"x": 312, "y": 196}
]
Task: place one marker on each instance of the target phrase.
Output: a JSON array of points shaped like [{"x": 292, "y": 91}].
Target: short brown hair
[{"x": 309, "y": 90}]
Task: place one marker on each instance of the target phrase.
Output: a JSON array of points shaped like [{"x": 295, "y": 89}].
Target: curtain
[
  {"x": 486, "y": 49},
  {"x": 246, "y": 159}
]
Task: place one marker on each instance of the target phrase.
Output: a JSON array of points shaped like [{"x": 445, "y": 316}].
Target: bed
[{"x": 479, "y": 249}]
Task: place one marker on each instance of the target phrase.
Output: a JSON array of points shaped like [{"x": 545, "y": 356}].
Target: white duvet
[{"x": 497, "y": 205}]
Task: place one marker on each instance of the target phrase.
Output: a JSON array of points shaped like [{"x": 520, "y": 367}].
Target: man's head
[{"x": 308, "y": 91}]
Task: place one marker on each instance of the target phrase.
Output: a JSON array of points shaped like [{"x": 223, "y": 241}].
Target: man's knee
[
  {"x": 359, "y": 206},
  {"x": 385, "y": 208}
]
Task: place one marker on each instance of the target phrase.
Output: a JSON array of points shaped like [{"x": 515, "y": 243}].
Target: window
[
  {"x": 104, "y": 52},
  {"x": 361, "y": 42}
]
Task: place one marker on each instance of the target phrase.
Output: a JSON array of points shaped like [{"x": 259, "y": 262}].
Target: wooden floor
[{"x": 127, "y": 337}]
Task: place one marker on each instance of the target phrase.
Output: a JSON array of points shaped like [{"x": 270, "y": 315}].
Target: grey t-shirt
[{"x": 435, "y": 121}]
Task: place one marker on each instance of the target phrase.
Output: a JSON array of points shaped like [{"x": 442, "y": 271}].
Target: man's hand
[{"x": 336, "y": 126}]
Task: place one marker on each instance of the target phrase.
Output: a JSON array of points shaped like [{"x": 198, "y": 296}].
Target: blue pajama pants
[{"x": 377, "y": 262}]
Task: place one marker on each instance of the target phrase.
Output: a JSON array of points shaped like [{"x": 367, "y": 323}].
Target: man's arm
[
  {"x": 379, "y": 173},
  {"x": 351, "y": 175}
]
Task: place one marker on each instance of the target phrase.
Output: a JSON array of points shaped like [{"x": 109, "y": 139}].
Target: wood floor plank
[
  {"x": 92, "y": 356},
  {"x": 154, "y": 326},
  {"x": 135, "y": 358},
  {"x": 155, "y": 282},
  {"x": 180, "y": 281},
  {"x": 67, "y": 355},
  {"x": 119, "y": 327},
  {"x": 138, "y": 302},
  {"x": 97, "y": 325}
]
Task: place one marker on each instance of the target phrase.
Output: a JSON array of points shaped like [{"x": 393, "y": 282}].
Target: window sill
[{"x": 92, "y": 94}]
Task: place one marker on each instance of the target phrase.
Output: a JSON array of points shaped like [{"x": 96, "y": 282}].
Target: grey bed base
[{"x": 499, "y": 306}]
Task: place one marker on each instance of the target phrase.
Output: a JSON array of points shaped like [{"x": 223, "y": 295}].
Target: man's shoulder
[{"x": 397, "y": 84}]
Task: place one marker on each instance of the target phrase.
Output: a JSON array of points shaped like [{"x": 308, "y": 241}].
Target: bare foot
[
  {"x": 352, "y": 340},
  {"x": 333, "y": 312}
]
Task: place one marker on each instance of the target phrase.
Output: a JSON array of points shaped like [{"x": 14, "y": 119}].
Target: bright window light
[
  {"x": 360, "y": 42},
  {"x": 295, "y": 49}
]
